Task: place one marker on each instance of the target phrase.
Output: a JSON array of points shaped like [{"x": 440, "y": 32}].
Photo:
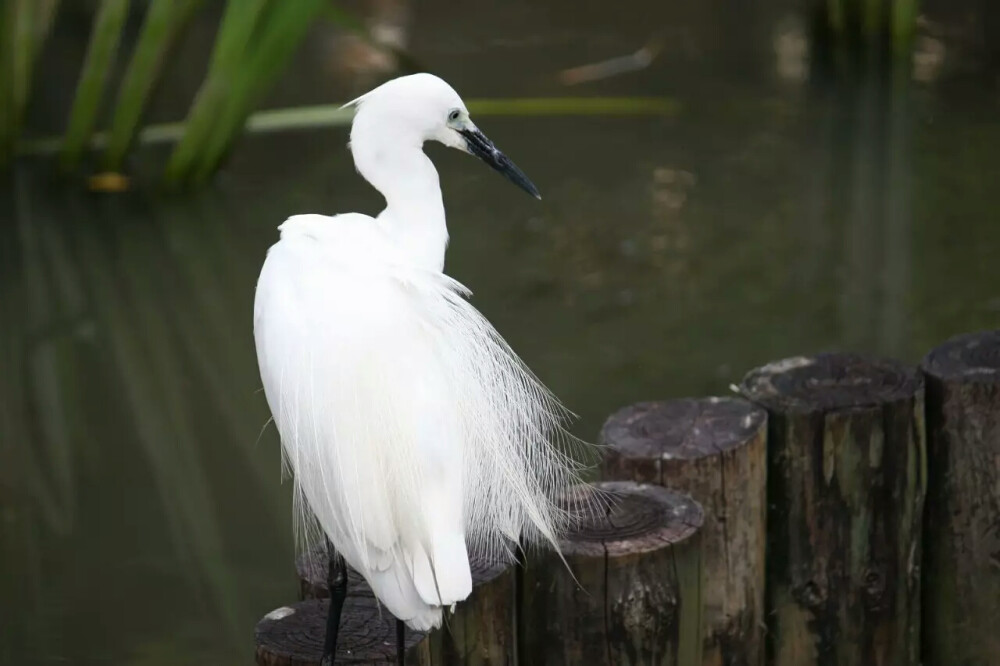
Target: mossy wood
[
  {"x": 481, "y": 630},
  {"x": 294, "y": 635},
  {"x": 716, "y": 450},
  {"x": 962, "y": 522},
  {"x": 634, "y": 594},
  {"x": 846, "y": 486}
]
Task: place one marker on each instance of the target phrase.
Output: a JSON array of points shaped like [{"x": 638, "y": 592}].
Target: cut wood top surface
[
  {"x": 639, "y": 518},
  {"x": 294, "y": 634},
  {"x": 312, "y": 565},
  {"x": 683, "y": 429},
  {"x": 830, "y": 381},
  {"x": 972, "y": 357}
]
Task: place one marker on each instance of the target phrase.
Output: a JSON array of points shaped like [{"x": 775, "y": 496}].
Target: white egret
[{"x": 415, "y": 436}]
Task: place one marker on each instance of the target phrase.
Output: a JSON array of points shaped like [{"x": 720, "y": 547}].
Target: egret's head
[{"x": 422, "y": 107}]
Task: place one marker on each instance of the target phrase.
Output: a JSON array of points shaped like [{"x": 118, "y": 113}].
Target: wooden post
[
  {"x": 481, "y": 630},
  {"x": 846, "y": 484},
  {"x": 716, "y": 450},
  {"x": 961, "y": 599},
  {"x": 293, "y": 635},
  {"x": 634, "y": 594},
  {"x": 311, "y": 567}
]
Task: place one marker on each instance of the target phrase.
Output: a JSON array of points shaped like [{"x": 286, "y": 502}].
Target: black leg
[
  {"x": 400, "y": 642},
  {"x": 336, "y": 580}
]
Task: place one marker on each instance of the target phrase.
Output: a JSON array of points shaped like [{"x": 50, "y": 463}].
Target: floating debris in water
[
  {"x": 108, "y": 181},
  {"x": 634, "y": 62}
]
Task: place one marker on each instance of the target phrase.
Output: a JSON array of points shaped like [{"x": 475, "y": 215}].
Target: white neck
[{"x": 414, "y": 212}]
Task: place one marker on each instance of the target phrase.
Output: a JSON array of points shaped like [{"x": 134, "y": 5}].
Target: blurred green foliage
[
  {"x": 874, "y": 19},
  {"x": 254, "y": 43}
]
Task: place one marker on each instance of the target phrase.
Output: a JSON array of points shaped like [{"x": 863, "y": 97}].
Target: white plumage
[{"x": 414, "y": 434}]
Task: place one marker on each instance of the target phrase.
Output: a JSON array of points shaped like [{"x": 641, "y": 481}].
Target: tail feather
[
  {"x": 445, "y": 577},
  {"x": 395, "y": 588}
]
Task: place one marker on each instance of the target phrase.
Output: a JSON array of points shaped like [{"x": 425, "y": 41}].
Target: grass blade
[
  {"x": 45, "y": 14},
  {"x": 836, "y": 15},
  {"x": 332, "y": 115},
  {"x": 15, "y": 70},
  {"x": 235, "y": 34},
  {"x": 163, "y": 23},
  {"x": 96, "y": 66},
  {"x": 274, "y": 45},
  {"x": 904, "y": 25}
]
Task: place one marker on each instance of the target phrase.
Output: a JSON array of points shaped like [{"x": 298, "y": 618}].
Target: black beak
[{"x": 484, "y": 149}]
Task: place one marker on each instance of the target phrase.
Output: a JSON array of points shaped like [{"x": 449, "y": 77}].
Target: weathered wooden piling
[
  {"x": 716, "y": 450},
  {"x": 312, "y": 567},
  {"x": 961, "y": 585},
  {"x": 634, "y": 594},
  {"x": 293, "y": 635},
  {"x": 481, "y": 630},
  {"x": 846, "y": 485}
]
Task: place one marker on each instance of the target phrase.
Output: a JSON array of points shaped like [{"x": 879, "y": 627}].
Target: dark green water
[{"x": 783, "y": 210}]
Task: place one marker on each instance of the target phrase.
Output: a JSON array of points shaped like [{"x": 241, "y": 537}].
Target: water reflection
[
  {"x": 131, "y": 410},
  {"x": 142, "y": 516}
]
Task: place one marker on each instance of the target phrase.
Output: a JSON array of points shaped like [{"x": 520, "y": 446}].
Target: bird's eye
[{"x": 453, "y": 116}]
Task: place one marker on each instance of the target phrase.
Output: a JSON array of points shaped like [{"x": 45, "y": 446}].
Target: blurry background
[{"x": 783, "y": 186}]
